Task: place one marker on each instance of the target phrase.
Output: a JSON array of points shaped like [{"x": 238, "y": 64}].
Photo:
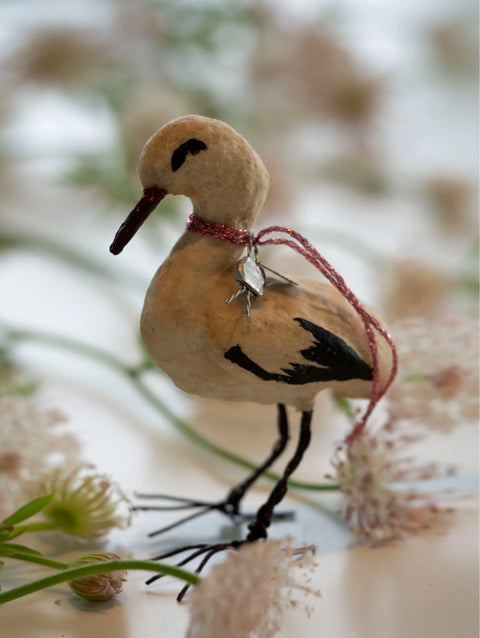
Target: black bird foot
[
  {"x": 229, "y": 506},
  {"x": 207, "y": 550},
  {"x": 204, "y": 550},
  {"x": 257, "y": 528}
]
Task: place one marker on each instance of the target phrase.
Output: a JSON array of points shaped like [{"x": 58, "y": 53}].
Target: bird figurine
[{"x": 276, "y": 340}]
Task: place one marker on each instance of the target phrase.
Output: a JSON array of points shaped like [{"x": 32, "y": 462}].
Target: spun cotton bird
[{"x": 277, "y": 341}]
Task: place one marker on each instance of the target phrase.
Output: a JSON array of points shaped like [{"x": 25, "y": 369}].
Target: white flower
[{"x": 84, "y": 503}]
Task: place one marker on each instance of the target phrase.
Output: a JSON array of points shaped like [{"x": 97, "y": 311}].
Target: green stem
[
  {"x": 37, "y": 558},
  {"x": 133, "y": 374},
  {"x": 414, "y": 377},
  {"x": 12, "y": 239},
  {"x": 344, "y": 406},
  {"x": 96, "y": 568},
  {"x": 84, "y": 349},
  {"x": 190, "y": 433},
  {"x": 40, "y": 526}
]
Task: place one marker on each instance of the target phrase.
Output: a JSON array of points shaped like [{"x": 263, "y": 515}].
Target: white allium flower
[{"x": 245, "y": 595}]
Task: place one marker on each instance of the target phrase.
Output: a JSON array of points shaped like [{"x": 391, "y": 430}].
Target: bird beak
[{"x": 151, "y": 198}]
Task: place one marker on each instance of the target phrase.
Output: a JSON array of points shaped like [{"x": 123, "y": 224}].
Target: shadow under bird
[{"x": 275, "y": 341}]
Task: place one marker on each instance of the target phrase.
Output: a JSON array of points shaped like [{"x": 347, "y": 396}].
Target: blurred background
[
  {"x": 365, "y": 113},
  {"x": 366, "y": 116}
]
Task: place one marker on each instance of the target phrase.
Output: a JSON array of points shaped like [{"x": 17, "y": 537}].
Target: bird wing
[
  {"x": 301, "y": 335},
  {"x": 333, "y": 360}
]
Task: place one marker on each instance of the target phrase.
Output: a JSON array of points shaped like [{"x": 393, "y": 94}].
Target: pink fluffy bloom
[
  {"x": 373, "y": 472},
  {"x": 30, "y": 440},
  {"x": 245, "y": 595},
  {"x": 437, "y": 383}
]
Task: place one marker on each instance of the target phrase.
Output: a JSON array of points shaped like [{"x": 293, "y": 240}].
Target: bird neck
[
  {"x": 238, "y": 211},
  {"x": 212, "y": 253},
  {"x": 205, "y": 228}
]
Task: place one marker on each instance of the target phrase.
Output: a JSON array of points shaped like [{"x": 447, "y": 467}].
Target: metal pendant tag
[
  {"x": 251, "y": 277},
  {"x": 250, "y": 274}
]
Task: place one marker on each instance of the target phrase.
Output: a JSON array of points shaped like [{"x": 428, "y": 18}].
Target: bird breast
[{"x": 212, "y": 349}]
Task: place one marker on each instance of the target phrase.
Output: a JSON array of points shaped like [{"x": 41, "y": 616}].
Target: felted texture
[
  {"x": 186, "y": 324},
  {"x": 227, "y": 182}
]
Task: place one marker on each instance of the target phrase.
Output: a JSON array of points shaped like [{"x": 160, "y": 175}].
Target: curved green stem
[
  {"x": 134, "y": 375},
  {"x": 190, "y": 433},
  {"x": 84, "y": 349},
  {"x": 35, "y": 558},
  {"x": 13, "y": 239},
  {"x": 40, "y": 526},
  {"x": 96, "y": 568}
]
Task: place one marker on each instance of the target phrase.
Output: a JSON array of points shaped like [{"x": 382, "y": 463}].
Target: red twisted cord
[{"x": 242, "y": 237}]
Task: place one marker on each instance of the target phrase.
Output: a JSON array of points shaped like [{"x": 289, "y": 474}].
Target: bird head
[{"x": 205, "y": 160}]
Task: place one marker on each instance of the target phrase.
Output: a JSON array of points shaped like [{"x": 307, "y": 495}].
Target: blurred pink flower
[
  {"x": 29, "y": 441},
  {"x": 67, "y": 57},
  {"x": 437, "y": 385},
  {"x": 411, "y": 288},
  {"x": 246, "y": 594},
  {"x": 452, "y": 200},
  {"x": 372, "y": 473}
]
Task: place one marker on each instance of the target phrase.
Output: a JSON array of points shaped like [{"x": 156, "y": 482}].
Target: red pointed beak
[{"x": 151, "y": 198}]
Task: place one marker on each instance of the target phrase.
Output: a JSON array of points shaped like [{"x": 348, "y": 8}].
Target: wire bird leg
[
  {"x": 230, "y": 506},
  {"x": 258, "y": 527}
]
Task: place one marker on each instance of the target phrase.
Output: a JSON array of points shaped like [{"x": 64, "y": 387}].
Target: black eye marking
[{"x": 192, "y": 146}]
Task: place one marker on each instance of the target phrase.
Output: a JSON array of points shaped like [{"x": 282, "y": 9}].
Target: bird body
[
  {"x": 189, "y": 329},
  {"x": 275, "y": 340},
  {"x": 297, "y": 339}
]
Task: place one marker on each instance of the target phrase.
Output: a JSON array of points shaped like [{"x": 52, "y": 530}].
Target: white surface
[{"x": 420, "y": 587}]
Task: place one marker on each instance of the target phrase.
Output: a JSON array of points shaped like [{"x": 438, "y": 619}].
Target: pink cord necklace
[{"x": 270, "y": 235}]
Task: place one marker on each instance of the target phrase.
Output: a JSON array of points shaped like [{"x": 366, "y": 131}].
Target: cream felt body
[
  {"x": 187, "y": 328},
  {"x": 186, "y": 325}
]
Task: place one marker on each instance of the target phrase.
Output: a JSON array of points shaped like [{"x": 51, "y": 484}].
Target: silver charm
[{"x": 250, "y": 274}]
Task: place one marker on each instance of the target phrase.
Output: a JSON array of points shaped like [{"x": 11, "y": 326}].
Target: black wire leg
[
  {"x": 230, "y": 506},
  {"x": 258, "y": 528}
]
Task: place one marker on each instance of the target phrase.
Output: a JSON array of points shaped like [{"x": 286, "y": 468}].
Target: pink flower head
[
  {"x": 437, "y": 383},
  {"x": 245, "y": 595},
  {"x": 373, "y": 472}
]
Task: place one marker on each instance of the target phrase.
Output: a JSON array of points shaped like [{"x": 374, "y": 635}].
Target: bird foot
[
  {"x": 229, "y": 506},
  {"x": 204, "y": 550}
]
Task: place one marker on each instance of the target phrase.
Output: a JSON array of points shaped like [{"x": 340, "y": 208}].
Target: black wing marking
[
  {"x": 192, "y": 146},
  {"x": 336, "y": 360}
]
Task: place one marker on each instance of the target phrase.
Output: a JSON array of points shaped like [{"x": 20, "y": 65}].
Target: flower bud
[{"x": 98, "y": 587}]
